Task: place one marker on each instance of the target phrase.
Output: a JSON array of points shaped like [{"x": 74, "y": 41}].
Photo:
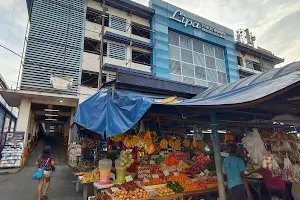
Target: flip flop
[{"x": 44, "y": 197}]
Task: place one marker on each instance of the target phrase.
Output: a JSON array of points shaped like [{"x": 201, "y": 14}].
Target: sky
[{"x": 275, "y": 23}]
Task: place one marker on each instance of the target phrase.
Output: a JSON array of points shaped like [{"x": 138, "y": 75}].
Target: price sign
[
  {"x": 175, "y": 173},
  {"x": 146, "y": 180},
  {"x": 155, "y": 176},
  {"x": 128, "y": 178},
  {"x": 114, "y": 189},
  {"x": 206, "y": 171},
  {"x": 166, "y": 172},
  {"x": 179, "y": 169},
  {"x": 152, "y": 162}
]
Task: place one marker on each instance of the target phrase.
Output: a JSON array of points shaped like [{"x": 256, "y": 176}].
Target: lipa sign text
[{"x": 179, "y": 17}]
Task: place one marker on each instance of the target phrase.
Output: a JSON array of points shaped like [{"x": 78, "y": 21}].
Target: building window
[
  {"x": 117, "y": 51},
  {"x": 141, "y": 58},
  {"x": 195, "y": 62},
  {"x": 90, "y": 79},
  {"x": 93, "y": 46},
  {"x": 257, "y": 66},
  {"x": 140, "y": 30},
  {"x": 95, "y": 16},
  {"x": 240, "y": 61}
]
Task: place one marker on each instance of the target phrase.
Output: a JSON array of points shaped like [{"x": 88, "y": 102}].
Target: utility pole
[{"x": 101, "y": 45}]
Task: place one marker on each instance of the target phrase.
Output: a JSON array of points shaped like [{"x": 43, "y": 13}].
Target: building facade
[
  {"x": 191, "y": 49},
  {"x": 253, "y": 60},
  {"x": 8, "y": 115},
  {"x": 159, "y": 46}
]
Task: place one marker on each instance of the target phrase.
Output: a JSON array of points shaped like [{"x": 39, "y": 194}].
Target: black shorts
[{"x": 238, "y": 193}]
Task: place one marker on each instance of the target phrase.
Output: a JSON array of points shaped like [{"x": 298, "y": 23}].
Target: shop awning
[
  {"x": 116, "y": 111},
  {"x": 111, "y": 111}
]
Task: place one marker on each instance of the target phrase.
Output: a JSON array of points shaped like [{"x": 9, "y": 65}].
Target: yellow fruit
[
  {"x": 186, "y": 142},
  {"x": 163, "y": 143}
]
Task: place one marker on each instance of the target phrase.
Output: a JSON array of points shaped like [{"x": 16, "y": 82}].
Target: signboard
[
  {"x": 15, "y": 136},
  {"x": 179, "y": 17}
]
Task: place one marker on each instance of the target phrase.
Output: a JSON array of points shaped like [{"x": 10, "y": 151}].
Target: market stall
[{"x": 251, "y": 102}]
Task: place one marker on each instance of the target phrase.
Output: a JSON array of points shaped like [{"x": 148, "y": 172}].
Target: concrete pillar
[
  {"x": 70, "y": 124},
  {"x": 23, "y": 118}
]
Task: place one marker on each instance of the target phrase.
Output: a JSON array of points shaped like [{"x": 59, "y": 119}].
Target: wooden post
[{"x": 217, "y": 154}]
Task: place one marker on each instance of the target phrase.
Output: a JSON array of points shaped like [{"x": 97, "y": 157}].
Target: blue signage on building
[{"x": 191, "y": 49}]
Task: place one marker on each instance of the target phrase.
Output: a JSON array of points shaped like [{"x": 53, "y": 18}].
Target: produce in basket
[
  {"x": 175, "y": 186},
  {"x": 181, "y": 178},
  {"x": 164, "y": 191},
  {"x": 102, "y": 197},
  {"x": 128, "y": 186},
  {"x": 190, "y": 186},
  {"x": 154, "y": 181},
  {"x": 171, "y": 160},
  {"x": 91, "y": 176},
  {"x": 139, "y": 193},
  {"x": 159, "y": 159},
  {"x": 201, "y": 159}
]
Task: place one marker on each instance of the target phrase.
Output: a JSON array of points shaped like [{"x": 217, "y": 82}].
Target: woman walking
[{"x": 46, "y": 161}]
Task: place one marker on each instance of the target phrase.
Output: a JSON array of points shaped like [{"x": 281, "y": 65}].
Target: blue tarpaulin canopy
[{"x": 115, "y": 112}]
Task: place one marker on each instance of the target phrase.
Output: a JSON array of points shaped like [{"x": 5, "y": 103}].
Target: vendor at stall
[{"x": 234, "y": 169}]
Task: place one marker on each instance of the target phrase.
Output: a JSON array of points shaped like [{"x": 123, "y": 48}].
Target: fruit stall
[
  {"x": 248, "y": 103},
  {"x": 150, "y": 166}
]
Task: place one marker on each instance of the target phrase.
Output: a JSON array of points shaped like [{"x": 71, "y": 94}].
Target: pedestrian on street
[
  {"x": 45, "y": 161},
  {"x": 234, "y": 167}
]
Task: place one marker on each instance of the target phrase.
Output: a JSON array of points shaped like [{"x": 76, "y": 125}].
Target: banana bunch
[
  {"x": 147, "y": 139},
  {"x": 163, "y": 143},
  {"x": 119, "y": 137},
  {"x": 198, "y": 144},
  {"x": 154, "y": 136},
  {"x": 91, "y": 176},
  {"x": 174, "y": 143},
  {"x": 130, "y": 141},
  {"x": 186, "y": 142}
]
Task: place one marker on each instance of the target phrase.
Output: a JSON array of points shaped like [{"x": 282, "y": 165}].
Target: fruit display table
[{"x": 191, "y": 195}]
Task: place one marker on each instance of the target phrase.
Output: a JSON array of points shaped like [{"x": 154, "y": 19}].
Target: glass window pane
[
  {"x": 200, "y": 82},
  {"x": 222, "y": 77},
  {"x": 186, "y": 56},
  {"x": 173, "y": 38},
  {"x": 175, "y": 67},
  {"x": 174, "y": 52},
  {"x": 199, "y": 59},
  {"x": 188, "y": 80},
  {"x": 187, "y": 70},
  {"x": 175, "y": 78},
  {"x": 220, "y": 65},
  {"x": 210, "y": 62},
  {"x": 219, "y": 53},
  {"x": 198, "y": 46},
  {"x": 209, "y": 49},
  {"x": 212, "y": 75},
  {"x": 185, "y": 42},
  {"x": 200, "y": 72}
]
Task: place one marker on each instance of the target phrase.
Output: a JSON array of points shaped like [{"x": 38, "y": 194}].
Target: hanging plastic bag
[
  {"x": 255, "y": 146},
  {"x": 286, "y": 146},
  {"x": 296, "y": 173},
  {"x": 287, "y": 169},
  {"x": 276, "y": 170}
]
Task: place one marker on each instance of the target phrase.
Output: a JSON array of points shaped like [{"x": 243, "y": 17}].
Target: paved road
[{"x": 21, "y": 186}]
